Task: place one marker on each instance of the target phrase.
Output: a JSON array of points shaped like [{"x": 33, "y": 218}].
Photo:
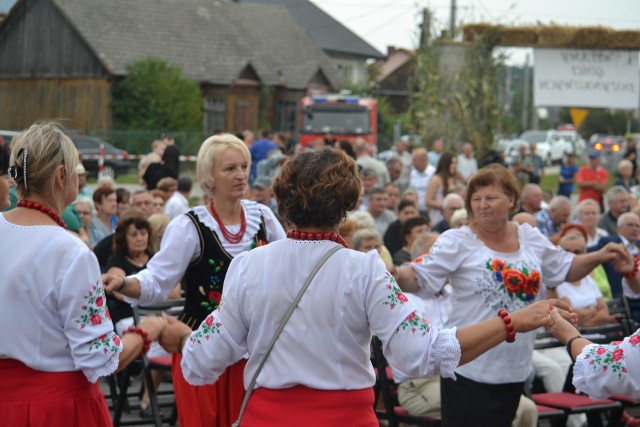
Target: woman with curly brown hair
[{"x": 319, "y": 372}]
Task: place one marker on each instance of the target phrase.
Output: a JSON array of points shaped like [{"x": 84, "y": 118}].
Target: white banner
[{"x": 586, "y": 78}]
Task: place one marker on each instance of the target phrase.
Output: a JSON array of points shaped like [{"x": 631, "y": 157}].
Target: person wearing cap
[
  {"x": 592, "y": 179},
  {"x": 83, "y": 189},
  {"x": 261, "y": 192}
]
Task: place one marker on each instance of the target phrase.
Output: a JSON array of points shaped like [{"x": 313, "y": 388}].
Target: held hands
[
  {"x": 561, "y": 328},
  {"x": 171, "y": 337},
  {"x": 541, "y": 314},
  {"x": 619, "y": 256},
  {"x": 153, "y": 326},
  {"x": 111, "y": 283}
]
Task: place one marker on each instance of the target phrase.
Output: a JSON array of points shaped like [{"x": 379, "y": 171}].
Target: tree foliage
[
  {"x": 155, "y": 95},
  {"x": 457, "y": 106}
]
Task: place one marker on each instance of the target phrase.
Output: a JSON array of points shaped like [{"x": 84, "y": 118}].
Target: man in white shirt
[
  {"x": 420, "y": 175},
  {"x": 467, "y": 163},
  {"x": 178, "y": 203}
]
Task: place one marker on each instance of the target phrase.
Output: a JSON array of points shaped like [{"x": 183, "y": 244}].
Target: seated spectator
[
  {"x": 168, "y": 185},
  {"x": 382, "y": 216},
  {"x": 122, "y": 198},
  {"x": 369, "y": 182},
  {"x": 393, "y": 196},
  {"x": 459, "y": 218},
  {"x": 158, "y": 223},
  {"x": 411, "y": 228},
  {"x": 369, "y": 240},
  {"x": 393, "y": 235},
  {"x": 178, "y": 203},
  {"x": 531, "y": 199},
  {"x": 625, "y": 172},
  {"x": 104, "y": 221},
  {"x": 261, "y": 192},
  {"x": 451, "y": 203},
  {"x": 84, "y": 207},
  {"x": 551, "y": 220},
  {"x": 584, "y": 295},
  {"x": 618, "y": 201},
  {"x": 159, "y": 200},
  {"x": 347, "y": 229},
  {"x": 588, "y": 215},
  {"x": 627, "y": 233}
]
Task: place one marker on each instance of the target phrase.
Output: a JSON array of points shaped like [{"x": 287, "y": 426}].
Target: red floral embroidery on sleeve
[
  {"x": 610, "y": 357},
  {"x": 94, "y": 309},
  {"x": 415, "y": 323},
  {"x": 396, "y": 297},
  {"x": 209, "y": 327}
]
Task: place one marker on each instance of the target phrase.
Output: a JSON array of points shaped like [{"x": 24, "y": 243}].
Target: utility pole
[
  {"x": 452, "y": 20},
  {"x": 525, "y": 97},
  {"x": 425, "y": 29}
]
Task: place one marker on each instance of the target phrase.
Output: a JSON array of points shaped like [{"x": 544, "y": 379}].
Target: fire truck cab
[{"x": 344, "y": 117}]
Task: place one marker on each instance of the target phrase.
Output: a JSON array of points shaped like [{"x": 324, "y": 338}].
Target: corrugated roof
[
  {"x": 211, "y": 41},
  {"x": 328, "y": 33}
]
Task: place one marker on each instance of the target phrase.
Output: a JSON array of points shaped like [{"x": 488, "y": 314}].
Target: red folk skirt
[
  {"x": 30, "y": 398},
  {"x": 212, "y": 405},
  {"x": 303, "y": 406}
]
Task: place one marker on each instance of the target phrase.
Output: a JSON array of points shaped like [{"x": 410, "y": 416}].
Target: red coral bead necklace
[
  {"x": 232, "y": 238},
  {"x": 309, "y": 235},
  {"x": 45, "y": 210}
]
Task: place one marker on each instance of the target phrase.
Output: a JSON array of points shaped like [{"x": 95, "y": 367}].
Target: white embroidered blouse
[
  {"x": 181, "y": 245},
  {"x": 326, "y": 342},
  {"x": 483, "y": 282},
  {"x": 53, "y": 309},
  {"x": 604, "y": 370}
]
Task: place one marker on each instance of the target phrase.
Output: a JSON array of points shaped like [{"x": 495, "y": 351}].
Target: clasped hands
[{"x": 167, "y": 330}]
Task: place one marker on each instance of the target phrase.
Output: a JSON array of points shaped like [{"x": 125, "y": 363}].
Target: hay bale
[
  {"x": 556, "y": 36},
  {"x": 592, "y": 37},
  {"x": 627, "y": 39},
  {"x": 471, "y": 31},
  {"x": 518, "y": 36}
]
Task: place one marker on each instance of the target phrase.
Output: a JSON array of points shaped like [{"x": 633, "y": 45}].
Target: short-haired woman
[{"x": 199, "y": 246}]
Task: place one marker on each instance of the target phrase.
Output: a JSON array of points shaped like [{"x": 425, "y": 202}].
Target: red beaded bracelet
[
  {"x": 511, "y": 333},
  {"x": 636, "y": 267},
  {"x": 145, "y": 337}
]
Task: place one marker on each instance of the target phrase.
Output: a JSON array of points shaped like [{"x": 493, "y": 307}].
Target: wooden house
[{"x": 60, "y": 58}]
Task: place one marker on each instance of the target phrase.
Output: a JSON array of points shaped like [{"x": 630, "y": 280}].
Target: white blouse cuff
[
  {"x": 579, "y": 375},
  {"x": 105, "y": 370},
  {"x": 446, "y": 345}
]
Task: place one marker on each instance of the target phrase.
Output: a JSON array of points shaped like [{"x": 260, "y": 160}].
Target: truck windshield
[{"x": 336, "y": 120}]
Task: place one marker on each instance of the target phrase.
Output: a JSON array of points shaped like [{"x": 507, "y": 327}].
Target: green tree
[{"x": 155, "y": 95}]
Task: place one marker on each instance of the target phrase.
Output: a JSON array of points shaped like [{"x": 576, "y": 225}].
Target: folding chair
[
  {"x": 556, "y": 417},
  {"x": 572, "y": 403},
  {"x": 393, "y": 412},
  {"x": 148, "y": 364}
]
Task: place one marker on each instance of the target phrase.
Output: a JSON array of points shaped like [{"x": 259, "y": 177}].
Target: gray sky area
[{"x": 395, "y": 22}]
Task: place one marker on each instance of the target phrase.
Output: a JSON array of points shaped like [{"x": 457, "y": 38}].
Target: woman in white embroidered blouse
[
  {"x": 319, "y": 372},
  {"x": 493, "y": 264},
  {"x": 57, "y": 338},
  {"x": 196, "y": 250}
]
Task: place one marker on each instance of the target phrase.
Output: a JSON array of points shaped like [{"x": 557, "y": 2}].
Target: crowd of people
[{"x": 422, "y": 234}]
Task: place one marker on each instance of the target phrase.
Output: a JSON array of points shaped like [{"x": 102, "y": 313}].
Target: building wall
[
  {"x": 353, "y": 71},
  {"x": 82, "y": 104}
]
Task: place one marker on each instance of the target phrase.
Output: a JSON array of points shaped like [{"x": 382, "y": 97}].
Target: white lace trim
[
  {"x": 252, "y": 217},
  {"x": 579, "y": 380},
  {"x": 447, "y": 347},
  {"x": 107, "y": 369},
  {"x": 199, "y": 381}
]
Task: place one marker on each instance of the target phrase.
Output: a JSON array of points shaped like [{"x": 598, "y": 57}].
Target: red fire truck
[{"x": 344, "y": 117}]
